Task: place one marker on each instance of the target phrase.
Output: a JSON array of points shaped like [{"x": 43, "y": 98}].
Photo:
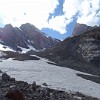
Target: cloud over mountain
[
  {"x": 38, "y": 13},
  {"x": 85, "y": 11},
  {"x": 17, "y": 12},
  {"x": 89, "y": 12}
]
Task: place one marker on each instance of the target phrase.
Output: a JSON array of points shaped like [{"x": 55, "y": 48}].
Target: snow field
[{"x": 56, "y": 77}]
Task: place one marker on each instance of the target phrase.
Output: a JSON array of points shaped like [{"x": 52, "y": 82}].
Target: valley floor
[{"x": 54, "y": 76}]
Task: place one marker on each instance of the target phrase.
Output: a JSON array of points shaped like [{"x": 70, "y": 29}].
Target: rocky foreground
[{"x": 10, "y": 89}]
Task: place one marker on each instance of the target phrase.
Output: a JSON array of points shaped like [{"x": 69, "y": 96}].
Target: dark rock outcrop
[
  {"x": 45, "y": 84},
  {"x": 5, "y": 77},
  {"x": 0, "y": 71}
]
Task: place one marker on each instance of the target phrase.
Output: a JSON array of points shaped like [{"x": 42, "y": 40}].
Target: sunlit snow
[
  {"x": 56, "y": 77},
  {"x": 24, "y": 50},
  {"x": 5, "y": 48}
]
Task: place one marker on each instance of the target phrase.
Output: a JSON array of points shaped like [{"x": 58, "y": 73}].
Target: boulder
[
  {"x": 45, "y": 84},
  {"x": 5, "y": 77},
  {"x": 12, "y": 79},
  {"x": 34, "y": 86},
  {"x": 0, "y": 71}
]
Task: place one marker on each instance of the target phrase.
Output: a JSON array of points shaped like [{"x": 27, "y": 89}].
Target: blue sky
[
  {"x": 58, "y": 35},
  {"x": 69, "y": 28},
  {"x": 57, "y": 18}
]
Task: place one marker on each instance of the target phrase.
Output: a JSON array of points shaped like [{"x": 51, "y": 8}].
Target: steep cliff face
[
  {"x": 25, "y": 36},
  {"x": 12, "y": 37},
  {"x": 90, "y": 46},
  {"x": 80, "y": 28}
]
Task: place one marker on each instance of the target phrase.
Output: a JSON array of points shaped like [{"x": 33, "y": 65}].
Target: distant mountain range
[
  {"x": 27, "y": 36},
  {"x": 81, "y": 51}
]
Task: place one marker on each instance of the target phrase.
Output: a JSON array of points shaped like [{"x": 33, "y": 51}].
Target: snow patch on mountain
[
  {"x": 24, "y": 50},
  {"x": 26, "y": 34},
  {"x": 32, "y": 48},
  {"x": 5, "y": 48}
]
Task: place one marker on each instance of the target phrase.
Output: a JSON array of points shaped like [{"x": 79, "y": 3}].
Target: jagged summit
[
  {"x": 26, "y": 36},
  {"x": 29, "y": 27},
  {"x": 8, "y": 26}
]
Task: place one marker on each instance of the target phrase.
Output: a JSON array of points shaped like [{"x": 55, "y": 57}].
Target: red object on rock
[{"x": 14, "y": 95}]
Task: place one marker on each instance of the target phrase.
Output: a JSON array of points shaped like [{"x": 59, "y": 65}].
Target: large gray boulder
[{"x": 5, "y": 77}]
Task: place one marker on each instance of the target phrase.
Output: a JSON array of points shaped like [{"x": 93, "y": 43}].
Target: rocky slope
[
  {"x": 80, "y": 52},
  {"x": 10, "y": 89},
  {"x": 26, "y": 36}
]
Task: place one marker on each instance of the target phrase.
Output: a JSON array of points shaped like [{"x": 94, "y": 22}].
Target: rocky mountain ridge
[
  {"x": 26, "y": 36},
  {"x": 81, "y": 52}
]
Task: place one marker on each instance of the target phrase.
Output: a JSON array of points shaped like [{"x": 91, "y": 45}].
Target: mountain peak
[
  {"x": 8, "y": 26},
  {"x": 80, "y": 28},
  {"x": 26, "y": 36},
  {"x": 28, "y": 27}
]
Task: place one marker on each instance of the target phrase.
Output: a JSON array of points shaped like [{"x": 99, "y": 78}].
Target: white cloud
[
  {"x": 58, "y": 23},
  {"x": 71, "y": 7},
  {"x": 90, "y": 12},
  {"x": 87, "y": 11},
  {"x": 84, "y": 10},
  {"x": 18, "y": 12},
  {"x": 37, "y": 12}
]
